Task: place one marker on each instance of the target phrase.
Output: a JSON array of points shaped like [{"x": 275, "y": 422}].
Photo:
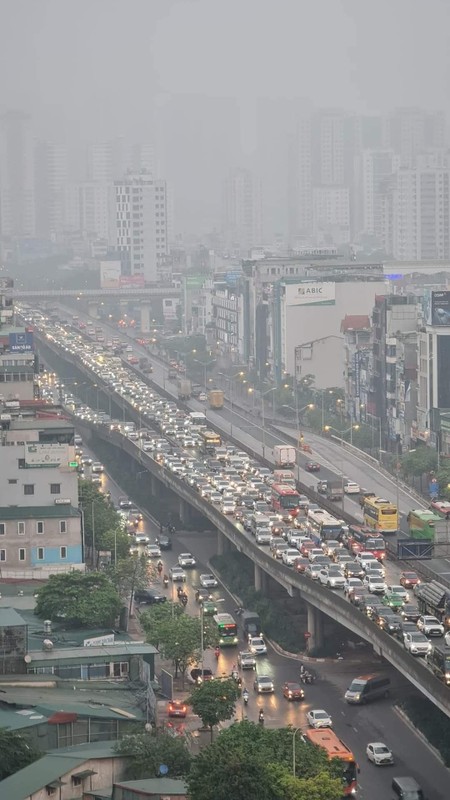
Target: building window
[
  {"x": 22, "y": 554},
  {"x": 21, "y": 529},
  {"x": 55, "y": 488},
  {"x": 28, "y": 488},
  {"x": 12, "y": 480},
  {"x": 40, "y": 553},
  {"x": 2, "y": 555},
  {"x": 63, "y": 552},
  {"x": 62, "y": 526},
  {"x": 39, "y": 527},
  {"x": 2, "y": 528}
]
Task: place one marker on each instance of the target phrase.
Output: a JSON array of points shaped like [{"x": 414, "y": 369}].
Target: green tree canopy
[
  {"x": 419, "y": 461},
  {"x": 249, "y": 761},
  {"x": 108, "y": 526},
  {"x": 147, "y": 751},
  {"x": 214, "y": 701},
  {"x": 81, "y": 599},
  {"x": 17, "y": 752},
  {"x": 130, "y": 574}
]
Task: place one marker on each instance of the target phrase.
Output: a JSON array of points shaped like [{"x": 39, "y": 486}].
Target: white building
[
  {"x": 242, "y": 210},
  {"x": 376, "y": 167},
  {"x": 421, "y": 214},
  {"x": 17, "y": 200},
  {"x": 139, "y": 225},
  {"x": 50, "y": 188},
  {"x": 328, "y": 148},
  {"x": 331, "y": 214},
  {"x": 87, "y": 208},
  {"x": 300, "y": 180}
]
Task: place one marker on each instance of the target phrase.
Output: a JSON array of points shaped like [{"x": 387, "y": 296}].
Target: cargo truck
[
  {"x": 215, "y": 399},
  {"x": 334, "y": 491},
  {"x": 284, "y": 455},
  {"x": 251, "y": 624},
  {"x": 183, "y": 389},
  {"x": 433, "y": 598}
]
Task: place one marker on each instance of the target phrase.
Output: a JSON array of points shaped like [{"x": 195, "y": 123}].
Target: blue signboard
[
  {"x": 433, "y": 488},
  {"x": 20, "y": 342}
]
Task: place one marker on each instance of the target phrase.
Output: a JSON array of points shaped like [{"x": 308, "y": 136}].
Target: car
[
  {"x": 164, "y": 542},
  {"x": 379, "y": 754},
  {"x": 332, "y": 577},
  {"x": 351, "y": 584},
  {"x": 306, "y": 547},
  {"x": 198, "y": 675},
  {"x": 246, "y": 660},
  {"x": 315, "y": 552},
  {"x": 148, "y": 597},
  {"x": 392, "y": 600},
  {"x": 312, "y": 466},
  {"x": 417, "y": 643},
  {"x": 142, "y": 538},
  {"x": 293, "y": 691},
  {"x": 153, "y": 551},
  {"x": 124, "y": 502},
  {"x": 203, "y": 596},
  {"x": 300, "y": 564},
  {"x": 353, "y": 570},
  {"x": 318, "y": 718},
  {"x": 312, "y": 571},
  {"x": 263, "y": 684},
  {"x": 409, "y": 613},
  {"x": 351, "y": 488},
  {"x": 330, "y": 547},
  {"x": 398, "y": 590},
  {"x": 208, "y": 581},
  {"x": 257, "y": 645},
  {"x": 98, "y": 467},
  {"x": 409, "y": 579},
  {"x": 177, "y": 574},
  {"x": 186, "y": 560},
  {"x": 430, "y": 626},
  {"x": 388, "y": 621},
  {"x": 322, "y": 487},
  {"x": 289, "y": 557},
  {"x": 365, "y": 559},
  {"x": 374, "y": 584},
  {"x": 176, "y": 708},
  {"x": 209, "y": 608},
  {"x": 405, "y": 627},
  {"x": 86, "y": 461}
]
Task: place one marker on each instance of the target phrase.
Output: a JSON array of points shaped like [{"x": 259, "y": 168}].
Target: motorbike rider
[
  {"x": 166, "y": 580},
  {"x": 261, "y": 716},
  {"x": 217, "y": 651},
  {"x": 245, "y": 696}
]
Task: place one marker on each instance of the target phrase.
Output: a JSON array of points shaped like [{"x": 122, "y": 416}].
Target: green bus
[
  {"x": 226, "y": 630},
  {"x": 422, "y": 524}
]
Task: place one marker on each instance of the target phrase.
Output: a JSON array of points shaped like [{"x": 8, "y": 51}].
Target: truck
[
  {"x": 284, "y": 476},
  {"x": 251, "y": 624},
  {"x": 433, "y": 598},
  {"x": 183, "y": 388},
  {"x": 196, "y": 389},
  {"x": 144, "y": 364},
  {"x": 172, "y": 373},
  {"x": 439, "y": 661},
  {"x": 284, "y": 455},
  {"x": 334, "y": 491},
  {"x": 215, "y": 399}
]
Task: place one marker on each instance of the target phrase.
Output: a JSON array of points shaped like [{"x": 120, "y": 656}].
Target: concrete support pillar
[
  {"x": 146, "y": 317},
  {"x": 315, "y": 628},
  {"x": 221, "y": 543},
  {"x": 184, "y": 511},
  {"x": 93, "y": 309},
  {"x": 260, "y": 579}
]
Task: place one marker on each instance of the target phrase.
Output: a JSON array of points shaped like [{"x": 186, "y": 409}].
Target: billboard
[
  {"x": 443, "y": 372},
  {"x": 440, "y": 308},
  {"x": 311, "y": 293},
  {"x": 45, "y": 455},
  {"x": 20, "y": 342},
  {"x": 131, "y": 282},
  {"x": 110, "y": 274}
]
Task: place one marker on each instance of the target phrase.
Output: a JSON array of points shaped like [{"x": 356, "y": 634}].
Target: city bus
[
  {"x": 324, "y": 526},
  {"x": 422, "y": 523},
  {"x": 227, "y": 630},
  {"x": 196, "y": 421},
  {"x": 285, "y": 499},
  {"x": 360, "y": 538},
  {"x": 335, "y": 748},
  {"x": 380, "y": 515},
  {"x": 209, "y": 441}
]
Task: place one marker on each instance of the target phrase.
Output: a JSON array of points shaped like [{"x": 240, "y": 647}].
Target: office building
[
  {"x": 139, "y": 226},
  {"x": 17, "y": 199},
  {"x": 242, "y": 212},
  {"x": 50, "y": 188}
]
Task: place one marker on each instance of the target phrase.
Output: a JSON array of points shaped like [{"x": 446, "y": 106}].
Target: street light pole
[{"x": 294, "y": 734}]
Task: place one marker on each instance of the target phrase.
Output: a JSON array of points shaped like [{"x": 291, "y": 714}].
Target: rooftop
[
  {"x": 109, "y": 700},
  {"x": 86, "y": 654},
  {"x": 163, "y": 786},
  {"x": 40, "y": 424},
  {"x": 355, "y": 322},
  {"x": 9, "y": 618},
  {"x": 58, "y": 511}
]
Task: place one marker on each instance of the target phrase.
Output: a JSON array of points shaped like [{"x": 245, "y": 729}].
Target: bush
[
  {"x": 430, "y": 721},
  {"x": 236, "y": 571}
]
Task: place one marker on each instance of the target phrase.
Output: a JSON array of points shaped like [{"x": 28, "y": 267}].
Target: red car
[
  {"x": 409, "y": 579},
  {"x": 312, "y": 466},
  {"x": 301, "y": 563},
  {"x": 293, "y": 691},
  {"x": 306, "y": 547},
  {"x": 176, "y": 708}
]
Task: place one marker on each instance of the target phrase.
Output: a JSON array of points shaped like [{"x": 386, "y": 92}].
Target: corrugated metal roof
[
  {"x": 156, "y": 785},
  {"x": 10, "y": 618},
  {"x": 88, "y": 653},
  {"x": 59, "y": 511}
]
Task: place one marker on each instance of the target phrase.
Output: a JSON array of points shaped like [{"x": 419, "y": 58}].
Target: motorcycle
[
  {"x": 307, "y": 677},
  {"x": 245, "y": 697},
  {"x": 217, "y": 652},
  {"x": 160, "y": 567},
  {"x": 261, "y": 716},
  {"x": 165, "y": 581},
  {"x": 183, "y": 599}
]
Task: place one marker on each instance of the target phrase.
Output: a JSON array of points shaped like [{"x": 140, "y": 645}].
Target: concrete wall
[
  {"x": 27, "y": 549},
  {"x": 12, "y": 494},
  {"x": 108, "y": 770}
]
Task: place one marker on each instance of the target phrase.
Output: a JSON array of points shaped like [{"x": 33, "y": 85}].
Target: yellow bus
[
  {"x": 210, "y": 440},
  {"x": 380, "y": 515}
]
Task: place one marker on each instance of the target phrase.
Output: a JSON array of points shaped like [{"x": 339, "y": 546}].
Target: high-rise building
[
  {"x": 50, "y": 188},
  {"x": 300, "y": 181},
  {"x": 376, "y": 167},
  {"x": 410, "y": 131},
  {"x": 17, "y": 208},
  {"x": 107, "y": 161},
  {"x": 331, "y": 214},
  {"x": 139, "y": 225},
  {"x": 421, "y": 214},
  {"x": 328, "y": 148},
  {"x": 242, "y": 211},
  {"x": 87, "y": 208}
]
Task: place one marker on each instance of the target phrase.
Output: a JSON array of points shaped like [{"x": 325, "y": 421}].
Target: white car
[
  {"x": 351, "y": 488},
  {"x": 289, "y": 556},
  {"x": 375, "y": 585},
  {"x": 366, "y": 559},
  {"x": 177, "y": 574},
  {"x": 399, "y": 591},
  {"x": 264, "y": 535},
  {"x": 153, "y": 551},
  {"x": 142, "y": 538},
  {"x": 379, "y": 754},
  {"x": 208, "y": 581},
  {"x": 186, "y": 560},
  {"x": 257, "y": 645},
  {"x": 318, "y": 718},
  {"x": 351, "y": 584},
  {"x": 332, "y": 577},
  {"x": 430, "y": 626},
  {"x": 228, "y": 506},
  {"x": 314, "y": 553},
  {"x": 246, "y": 660},
  {"x": 417, "y": 643},
  {"x": 263, "y": 684}
]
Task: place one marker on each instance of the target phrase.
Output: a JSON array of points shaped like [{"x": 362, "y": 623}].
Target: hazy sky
[{"x": 100, "y": 63}]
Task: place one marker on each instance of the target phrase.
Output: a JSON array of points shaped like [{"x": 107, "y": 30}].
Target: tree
[
  {"x": 17, "y": 752},
  {"x": 246, "y": 756},
  {"x": 176, "y": 634},
  {"x": 418, "y": 462},
  {"x": 80, "y": 599},
  {"x": 214, "y": 701},
  {"x": 106, "y": 520},
  {"x": 147, "y": 751},
  {"x": 130, "y": 574}
]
